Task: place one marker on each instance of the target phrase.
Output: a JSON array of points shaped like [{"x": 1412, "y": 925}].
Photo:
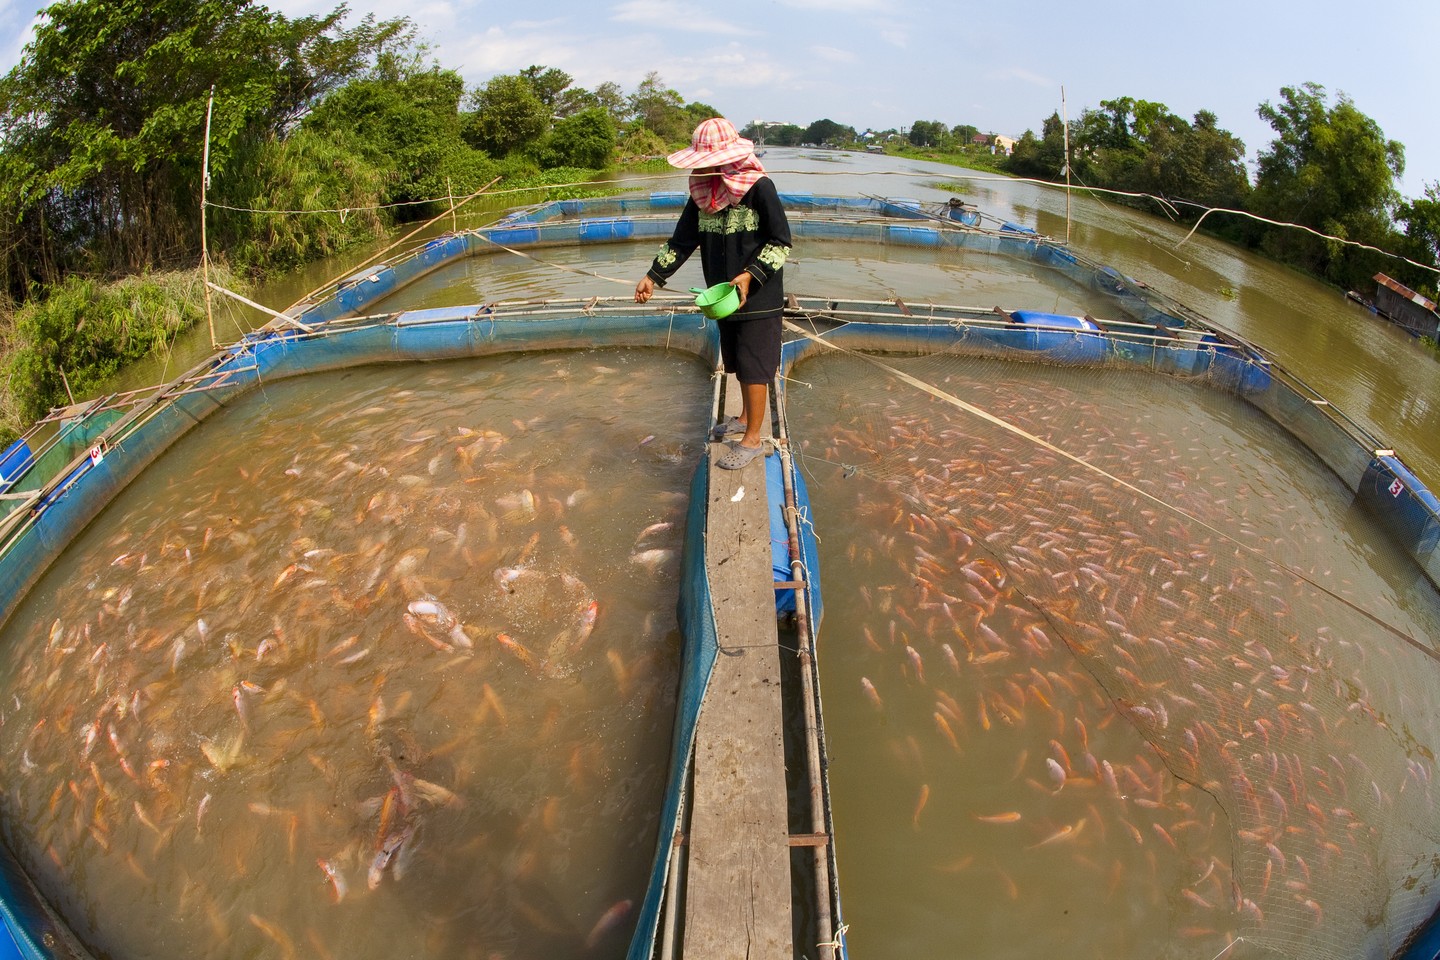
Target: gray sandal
[
  {"x": 732, "y": 425},
  {"x": 739, "y": 456}
]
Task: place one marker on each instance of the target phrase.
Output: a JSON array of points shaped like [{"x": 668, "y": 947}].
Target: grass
[{"x": 981, "y": 160}]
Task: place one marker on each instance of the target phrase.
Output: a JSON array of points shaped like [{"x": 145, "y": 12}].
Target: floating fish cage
[{"x": 1274, "y": 649}]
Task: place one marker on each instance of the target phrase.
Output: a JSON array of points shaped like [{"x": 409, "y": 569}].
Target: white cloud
[
  {"x": 497, "y": 50},
  {"x": 838, "y": 6},
  {"x": 10, "y": 53},
  {"x": 1025, "y": 76},
  {"x": 894, "y": 37},
  {"x": 834, "y": 54},
  {"x": 685, "y": 17},
  {"x": 724, "y": 71}
]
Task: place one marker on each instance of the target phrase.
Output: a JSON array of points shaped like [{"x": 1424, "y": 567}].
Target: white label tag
[
  {"x": 1396, "y": 487},
  {"x": 96, "y": 455}
]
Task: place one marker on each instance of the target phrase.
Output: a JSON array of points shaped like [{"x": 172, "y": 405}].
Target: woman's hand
[
  {"x": 742, "y": 283},
  {"x": 645, "y": 289}
]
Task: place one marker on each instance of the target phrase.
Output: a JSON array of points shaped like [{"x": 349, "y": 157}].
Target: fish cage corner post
[{"x": 204, "y": 246}]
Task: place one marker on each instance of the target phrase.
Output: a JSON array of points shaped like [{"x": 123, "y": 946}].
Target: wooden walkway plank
[{"x": 738, "y": 875}]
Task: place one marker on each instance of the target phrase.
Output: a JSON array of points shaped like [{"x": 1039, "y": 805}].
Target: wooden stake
[
  {"x": 66, "y": 380},
  {"x": 450, "y": 194},
  {"x": 1065, "y": 124},
  {"x": 204, "y": 246}
]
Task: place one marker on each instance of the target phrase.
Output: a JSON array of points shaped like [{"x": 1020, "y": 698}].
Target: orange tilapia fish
[
  {"x": 1010, "y": 816},
  {"x": 1067, "y": 832},
  {"x": 871, "y": 693},
  {"x": 609, "y": 920}
]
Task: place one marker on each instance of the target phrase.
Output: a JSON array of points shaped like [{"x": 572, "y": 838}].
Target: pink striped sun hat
[{"x": 715, "y": 144}]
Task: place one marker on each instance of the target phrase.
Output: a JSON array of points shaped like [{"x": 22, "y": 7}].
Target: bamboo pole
[
  {"x": 261, "y": 307},
  {"x": 450, "y": 195},
  {"x": 204, "y": 245},
  {"x": 1065, "y": 125}
]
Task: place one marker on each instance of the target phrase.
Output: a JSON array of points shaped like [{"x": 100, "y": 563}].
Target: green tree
[
  {"x": 508, "y": 115},
  {"x": 548, "y": 83},
  {"x": 1422, "y": 240},
  {"x": 828, "y": 131},
  {"x": 404, "y": 119},
  {"x": 774, "y": 134},
  {"x": 1197, "y": 162},
  {"x": 611, "y": 98},
  {"x": 660, "y": 109},
  {"x": 785, "y": 135},
  {"x": 926, "y": 133},
  {"x": 584, "y": 140},
  {"x": 1043, "y": 157},
  {"x": 309, "y": 169},
  {"x": 1329, "y": 168},
  {"x": 697, "y": 113},
  {"x": 103, "y": 114}
]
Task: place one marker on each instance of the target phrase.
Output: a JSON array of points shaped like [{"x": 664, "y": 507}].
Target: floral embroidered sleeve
[
  {"x": 774, "y": 229},
  {"x": 678, "y": 248}
]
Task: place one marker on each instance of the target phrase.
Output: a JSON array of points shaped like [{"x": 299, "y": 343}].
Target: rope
[
  {"x": 1227, "y": 948},
  {"x": 557, "y": 266},
  {"x": 1297, "y": 226},
  {"x": 444, "y": 199},
  {"x": 990, "y": 418},
  {"x": 803, "y": 516}
]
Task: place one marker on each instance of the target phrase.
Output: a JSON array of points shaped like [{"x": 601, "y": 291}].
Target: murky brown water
[
  {"x": 376, "y": 663},
  {"x": 953, "y": 836},
  {"x": 1064, "y": 719}
]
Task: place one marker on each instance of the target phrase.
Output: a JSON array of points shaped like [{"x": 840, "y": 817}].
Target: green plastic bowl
[{"x": 718, "y": 302}]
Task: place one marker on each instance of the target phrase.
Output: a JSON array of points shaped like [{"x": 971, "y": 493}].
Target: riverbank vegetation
[
  {"x": 330, "y": 131},
  {"x": 324, "y": 135},
  {"x": 1329, "y": 169}
]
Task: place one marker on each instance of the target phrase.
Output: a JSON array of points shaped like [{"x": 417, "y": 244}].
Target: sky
[{"x": 999, "y": 66}]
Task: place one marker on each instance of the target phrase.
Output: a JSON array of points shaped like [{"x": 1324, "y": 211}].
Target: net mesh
[{"x": 1214, "y": 578}]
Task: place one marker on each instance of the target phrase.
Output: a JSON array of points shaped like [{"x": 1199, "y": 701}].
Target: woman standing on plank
[{"x": 734, "y": 216}]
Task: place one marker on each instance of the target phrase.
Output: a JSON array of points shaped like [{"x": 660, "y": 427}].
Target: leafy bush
[
  {"x": 640, "y": 143},
  {"x": 90, "y": 330},
  {"x": 585, "y": 140},
  {"x": 307, "y": 171}
]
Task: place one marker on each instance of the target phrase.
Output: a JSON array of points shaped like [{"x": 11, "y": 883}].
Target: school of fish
[
  {"x": 1066, "y": 719},
  {"x": 372, "y": 664}
]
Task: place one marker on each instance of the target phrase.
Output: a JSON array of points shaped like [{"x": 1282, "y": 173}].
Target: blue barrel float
[{"x": 1085, "y": 345}]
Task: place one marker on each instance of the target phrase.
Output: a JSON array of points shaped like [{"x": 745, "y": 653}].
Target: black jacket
[{"x": 753, "y": 236}]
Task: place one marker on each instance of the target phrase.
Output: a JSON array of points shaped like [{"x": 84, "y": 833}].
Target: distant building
[
  {"x": 1404, "y": 306},
  {"x": 994, "y": 142}
]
